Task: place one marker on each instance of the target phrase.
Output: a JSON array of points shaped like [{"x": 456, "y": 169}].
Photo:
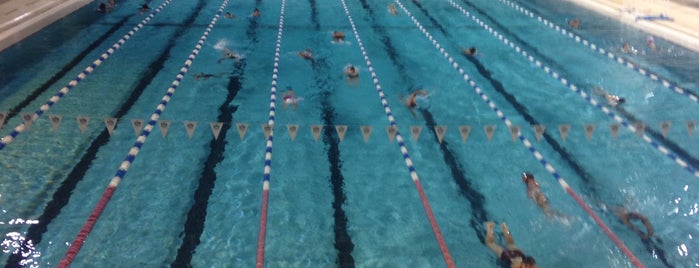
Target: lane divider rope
[
  {"x": 65, "y": 90},
  {"x": 399, "y": 138},
  {"x": 79, "y": 240},
  {"x": 260, "y": 261},
  {"x": 523, "y": 139},
  {"x": 682, "y": 163},
  {"x": 673, "y": 86}
]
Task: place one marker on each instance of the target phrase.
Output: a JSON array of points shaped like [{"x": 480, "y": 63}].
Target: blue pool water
[{"x": 197, "y": 201}]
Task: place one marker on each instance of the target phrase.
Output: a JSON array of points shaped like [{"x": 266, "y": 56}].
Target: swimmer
[
  {"x": 352, "y": 74},
  {"x": 229, "y": 15},
  {"x": 255, "y": 13},
  {"x": 338, "y": 36},
  {"x": 289, "y": 97},
  {"x": 469, "y": 52},
  {"x": 307, "y": 55},
  {"x": 204, "y": 76},
  {"x": 534, "y": 192},
  {"x": 102, "y": 8},
  {"x": 392, "y": 9},
  {"x": 144, "y": 8},
  {"x": 228, "y": 54},
  {"x": 626, "y": 218},
  {"x": 511, "y": 255},
  {"x": 612, "y": 100},
  {"x": 650, "y": 41},
  {"x": 412, "y": 103},
  {"x": 112, "y": 4},
  {"x": 628, "y": 49},
  {"x": 575, "y": 23}
]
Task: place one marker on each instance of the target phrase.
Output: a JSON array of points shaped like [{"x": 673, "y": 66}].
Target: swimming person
[
  {"x": 469, "y": 52},
  {"x": 338, "y": 36},
  {"x": 411, "y": 102},
  {"x": 204, "y": 76},
  {"x": 144, "y": 8},
  {"x": 228, "y": 54},
  {"x": 534, "y": 192},
  {"x": 289, "y": 98},
  {"x": 612, "y": 100},
  {"x": 626, "y": 218},
  {"x": 255, "y": 13},
  {"x": 575, "y": 23},
  {"x": 650, "y": 41},
  {"x": 392, "y": 9},
  {"x": 307, "y": 55},
  {"x": 511, "y": 255},
  {"x": 352, "y": 74}
]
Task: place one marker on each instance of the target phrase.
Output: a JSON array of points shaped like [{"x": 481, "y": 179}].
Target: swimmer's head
[
  {"x": 621, "y": 100},
  {"x": 526, "y": 176}
]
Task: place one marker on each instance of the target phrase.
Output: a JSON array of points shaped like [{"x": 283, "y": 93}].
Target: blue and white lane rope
[
  {"x": 260, "y": 261},
  {"x": 131, "y": 156},
  {"x": 53, "y": 100},
  {"x": 582, "y": 94},
  {"x": 621, "y": 60},
  {"x": 524, "y": 140},
  {"x": 406, "y": 157}
]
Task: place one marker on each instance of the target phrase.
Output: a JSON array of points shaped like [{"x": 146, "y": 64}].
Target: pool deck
[
  {"x": 21, "y": 18},
  {"x": 683, "y": 28}
]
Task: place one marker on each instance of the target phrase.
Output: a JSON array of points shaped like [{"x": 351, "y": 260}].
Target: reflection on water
[{"x": 15, "y": 243}]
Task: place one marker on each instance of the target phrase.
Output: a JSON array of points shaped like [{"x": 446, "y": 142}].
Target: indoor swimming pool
[{"x": 169, "y": 137}]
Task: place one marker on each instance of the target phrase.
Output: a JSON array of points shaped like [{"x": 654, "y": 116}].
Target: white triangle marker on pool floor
[
  {"x": 366, "y": 132},
  {"x": 415, "y": 132},
  {"x": 3, "y": 115},
  {"x": 216, "y": 129},
  {"x": 589, "y": 129},
  {"x": 341, "y": 130},
  {"x": 665, "y": 128},
  {"x": 690, "y": 127},
  {"x": 514, "y": 132},
  {"x": 315, "y": 130},
  {"x": 640, "y": 127},
  {"x": 55, "y": 121},
  {"x": 489, "y": 131},
  {"x": 137, "y": 125},
  {"x": 539, "y": 131},
  {"x": 267, "y": 129},
  {"x": 242, "y": 129},
  {"x": 440, "y": 131},
  {"x": 391, "y": 131},
  {"x": 27, "y": 119},
  {"x": 110, "y": 123},
  {"x": 293, "y": 129},
  {"x": 615, "y": 130},
  {"x": 564, "y": 129},
  {"x": 190, "y": 126},
  {"x": 464, "y": 131},
  {"x": 82, "y": 122},
  {"x": 164, "y": 126}
]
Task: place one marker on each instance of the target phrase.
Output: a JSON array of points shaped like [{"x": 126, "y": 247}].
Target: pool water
[{"x": 196, "y": 199}]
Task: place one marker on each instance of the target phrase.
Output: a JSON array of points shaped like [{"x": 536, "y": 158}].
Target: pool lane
[
  {"x": 530, "y": 147},
  {"x": 28, "y": 119}
]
